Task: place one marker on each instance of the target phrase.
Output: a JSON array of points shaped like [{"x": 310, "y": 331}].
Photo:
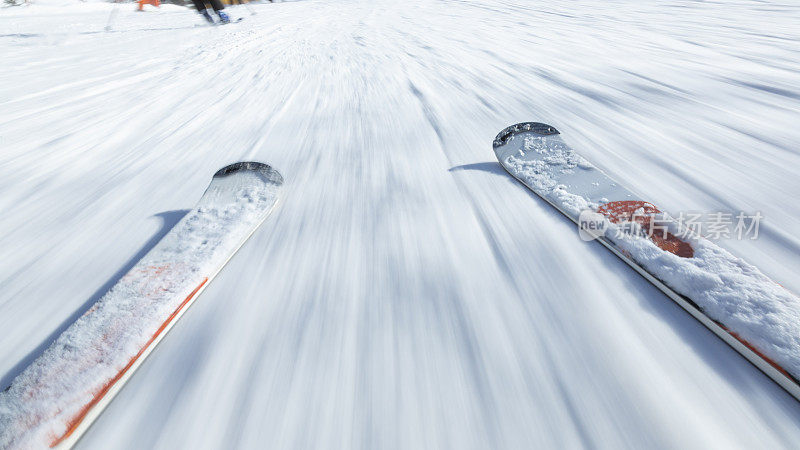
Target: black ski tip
[
  {"x": 265, "y": 170},
  {"x": 533, "y": 127}
]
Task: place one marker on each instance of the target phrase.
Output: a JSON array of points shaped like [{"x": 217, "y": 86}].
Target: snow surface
[
  {"x": 51, "y": 393},
  {"x": 408, "y": 293}
]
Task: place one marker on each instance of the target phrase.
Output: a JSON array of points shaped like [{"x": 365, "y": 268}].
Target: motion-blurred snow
[{"x": 407, "y": 293}]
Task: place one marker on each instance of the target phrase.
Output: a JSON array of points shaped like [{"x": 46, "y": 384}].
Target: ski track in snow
[{"x": 407, "y": 293}]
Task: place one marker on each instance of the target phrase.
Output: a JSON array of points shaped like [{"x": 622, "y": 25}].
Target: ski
[
  {"x": 753, "y": 314},
  {"x": 54, "y": 401},
  {"x": 237, "y": 20}
]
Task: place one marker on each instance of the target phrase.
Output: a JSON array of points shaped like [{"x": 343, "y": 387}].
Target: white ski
[
  {"x": 53, "y": 401},
  {"x": 753, "y": 314}
]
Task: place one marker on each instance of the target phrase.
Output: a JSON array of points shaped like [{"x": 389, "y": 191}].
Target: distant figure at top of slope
[{"x": 218, "y": 8}]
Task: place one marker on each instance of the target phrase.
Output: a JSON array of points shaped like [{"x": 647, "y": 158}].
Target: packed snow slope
[{"x": 407, "y": 293}]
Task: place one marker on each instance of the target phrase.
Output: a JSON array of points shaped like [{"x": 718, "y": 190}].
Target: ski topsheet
[
  {"x": 753, "y": 314},
  {"x": 53, "y": 401}
]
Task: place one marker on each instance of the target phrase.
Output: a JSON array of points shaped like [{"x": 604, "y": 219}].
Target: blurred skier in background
[{"x": 218, "y": 8}]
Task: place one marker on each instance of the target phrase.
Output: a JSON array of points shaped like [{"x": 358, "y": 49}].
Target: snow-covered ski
[
  {"x": 753, "y": 314},
  {"x": 53, "y": 401}
]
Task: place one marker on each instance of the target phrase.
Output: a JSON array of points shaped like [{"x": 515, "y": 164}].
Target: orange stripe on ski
[
  {"x": 757, "y": 352},
  {"x": 625, "y": 210},
  {"x": 73, "y": 423}
]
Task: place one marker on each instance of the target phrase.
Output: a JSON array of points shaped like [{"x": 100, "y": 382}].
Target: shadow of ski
[{"x": 490, "y": 167}]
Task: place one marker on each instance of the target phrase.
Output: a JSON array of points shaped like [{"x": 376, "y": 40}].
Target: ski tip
[
  {"x": 265, "y": 170},
  {"x": 533, "y": 127}
]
